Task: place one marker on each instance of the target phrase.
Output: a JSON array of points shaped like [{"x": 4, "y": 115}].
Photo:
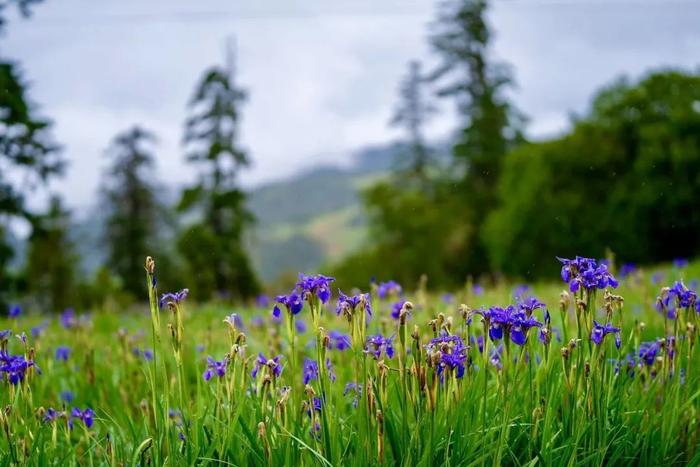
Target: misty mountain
[
  {"x": 302, "y": 222},
  {"x": 314, "y": 217}
]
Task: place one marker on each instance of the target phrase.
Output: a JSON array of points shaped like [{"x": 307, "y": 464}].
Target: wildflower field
[{"x": 600, "y": 369}]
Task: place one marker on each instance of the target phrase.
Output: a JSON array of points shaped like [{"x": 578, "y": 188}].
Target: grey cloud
[{"x": 322, "y": 75}]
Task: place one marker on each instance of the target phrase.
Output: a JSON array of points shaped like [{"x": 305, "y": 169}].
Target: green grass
[{"x": 544, "y": 410}]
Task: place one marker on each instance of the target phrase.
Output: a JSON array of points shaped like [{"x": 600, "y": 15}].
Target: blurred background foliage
[{"x": 483, "y": 205}]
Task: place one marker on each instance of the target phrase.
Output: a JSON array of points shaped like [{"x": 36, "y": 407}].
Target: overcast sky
[{"x": 322, "y": 75}]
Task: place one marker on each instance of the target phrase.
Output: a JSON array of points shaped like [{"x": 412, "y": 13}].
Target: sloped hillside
[{"x": 314, "y": 217}]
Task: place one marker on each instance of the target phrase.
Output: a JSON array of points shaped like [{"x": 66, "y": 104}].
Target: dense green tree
[
  {"x": 421, "y": 236},
  {"x": 214, "y": 246},
  {"x": 490, "y": 125},
  {"x": 410, "y": 235},
  {"x": 29, "y": 157},
  {"x": 626, "y": 177},
  {"x": 435, "y": 230},
  {"x": 51, "y": 260},
  {"x": 129, "y": 196},
  {"x": 28, "y": 154}
]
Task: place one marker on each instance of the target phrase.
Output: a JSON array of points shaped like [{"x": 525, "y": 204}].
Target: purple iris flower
[
  {"x": 452, "y": 352},
  {"x": 350, "y": 303},
  {"x": 52, "y": 415},
  {"x": 520, "y": 290},
  {"x": 67, "y": 318},
  {"x": 587, "y": 273},
  {"x": 66, "y": 397},
  {"x": 14, "y": 311},
  {"x": 234, "y": 320},
  {"x": 175, "y": 415},
  {"x": 388, "y": 288},
  {"x": 530, "y": 304},
  {"x": 648, "y": 352},
  {"x": 680, "y": 263},
  {"x": 494, "y": 316},
  {"x": 86, "y": 416},
  {"x": 316, "y": 404},
  {"x": 512, "y": 320},
  {"x": 519, "y": 327},
  {"x": 685, "y": 297},
  {"x": 396, "y": 309},
  {"x": 599, "y": 332},
  {"x": 448, "y": 298},
  {"x": 477, "y": 290},
  {"x": 331, "y": 371},
  {"x": 62, "y": 353},
  {"x": 355, "y": 390},
  {"x": 496, "y": 355},
  {"x": 215, "y": 367},
  {"x": 39, "y": 329},
  {"x": 677, "y": 296},
  {"x": 14, "y": 367},
  {"x": 173, "y": 298},
  {"x": 627, "y": 269},
  {"x": 300, "y": 326},
  {"x": 376, "y": 345},
  {"x": 315, "y": 286},
  {"x": 339, "y": 341},
  {"x": 629, "y": 363},
  {"x": 291, "y": 302},
  {"x": 263, "y": 361},
  {"x": 309, "y": 370},
  {"x": 479, "y": 342},
  {"x": 670, "y": 347},
  {"x": 262, "y": 300}
]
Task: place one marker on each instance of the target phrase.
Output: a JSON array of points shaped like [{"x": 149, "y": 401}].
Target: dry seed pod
[
  {"x": 309, "y": 390},
  {"x": 565, "y": 352},
  {"x": 464, "y": 311},
  {"x": 150, "y": 265},
  {"x": 416, "y": 333}
]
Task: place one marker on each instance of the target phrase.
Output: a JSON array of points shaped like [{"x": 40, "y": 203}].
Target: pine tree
[
  {"x": 29, "y": 158},
  {"x": 27, "y": 150},
  {"x": 129, "y": 196},
  {"x": 491, "y": 126},
  {"x": 51, "y": 260},
  {"x": 412, "y": 113},
  {"x": 214, "y": 246}
]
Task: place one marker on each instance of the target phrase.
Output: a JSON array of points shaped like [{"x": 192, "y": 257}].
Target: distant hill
[
  {"x": 307, "y": 220},
  {"x": 314, "y": 217}
]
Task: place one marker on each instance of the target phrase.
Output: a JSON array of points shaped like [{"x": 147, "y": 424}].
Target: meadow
[{"x": 598, "y": 367}]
